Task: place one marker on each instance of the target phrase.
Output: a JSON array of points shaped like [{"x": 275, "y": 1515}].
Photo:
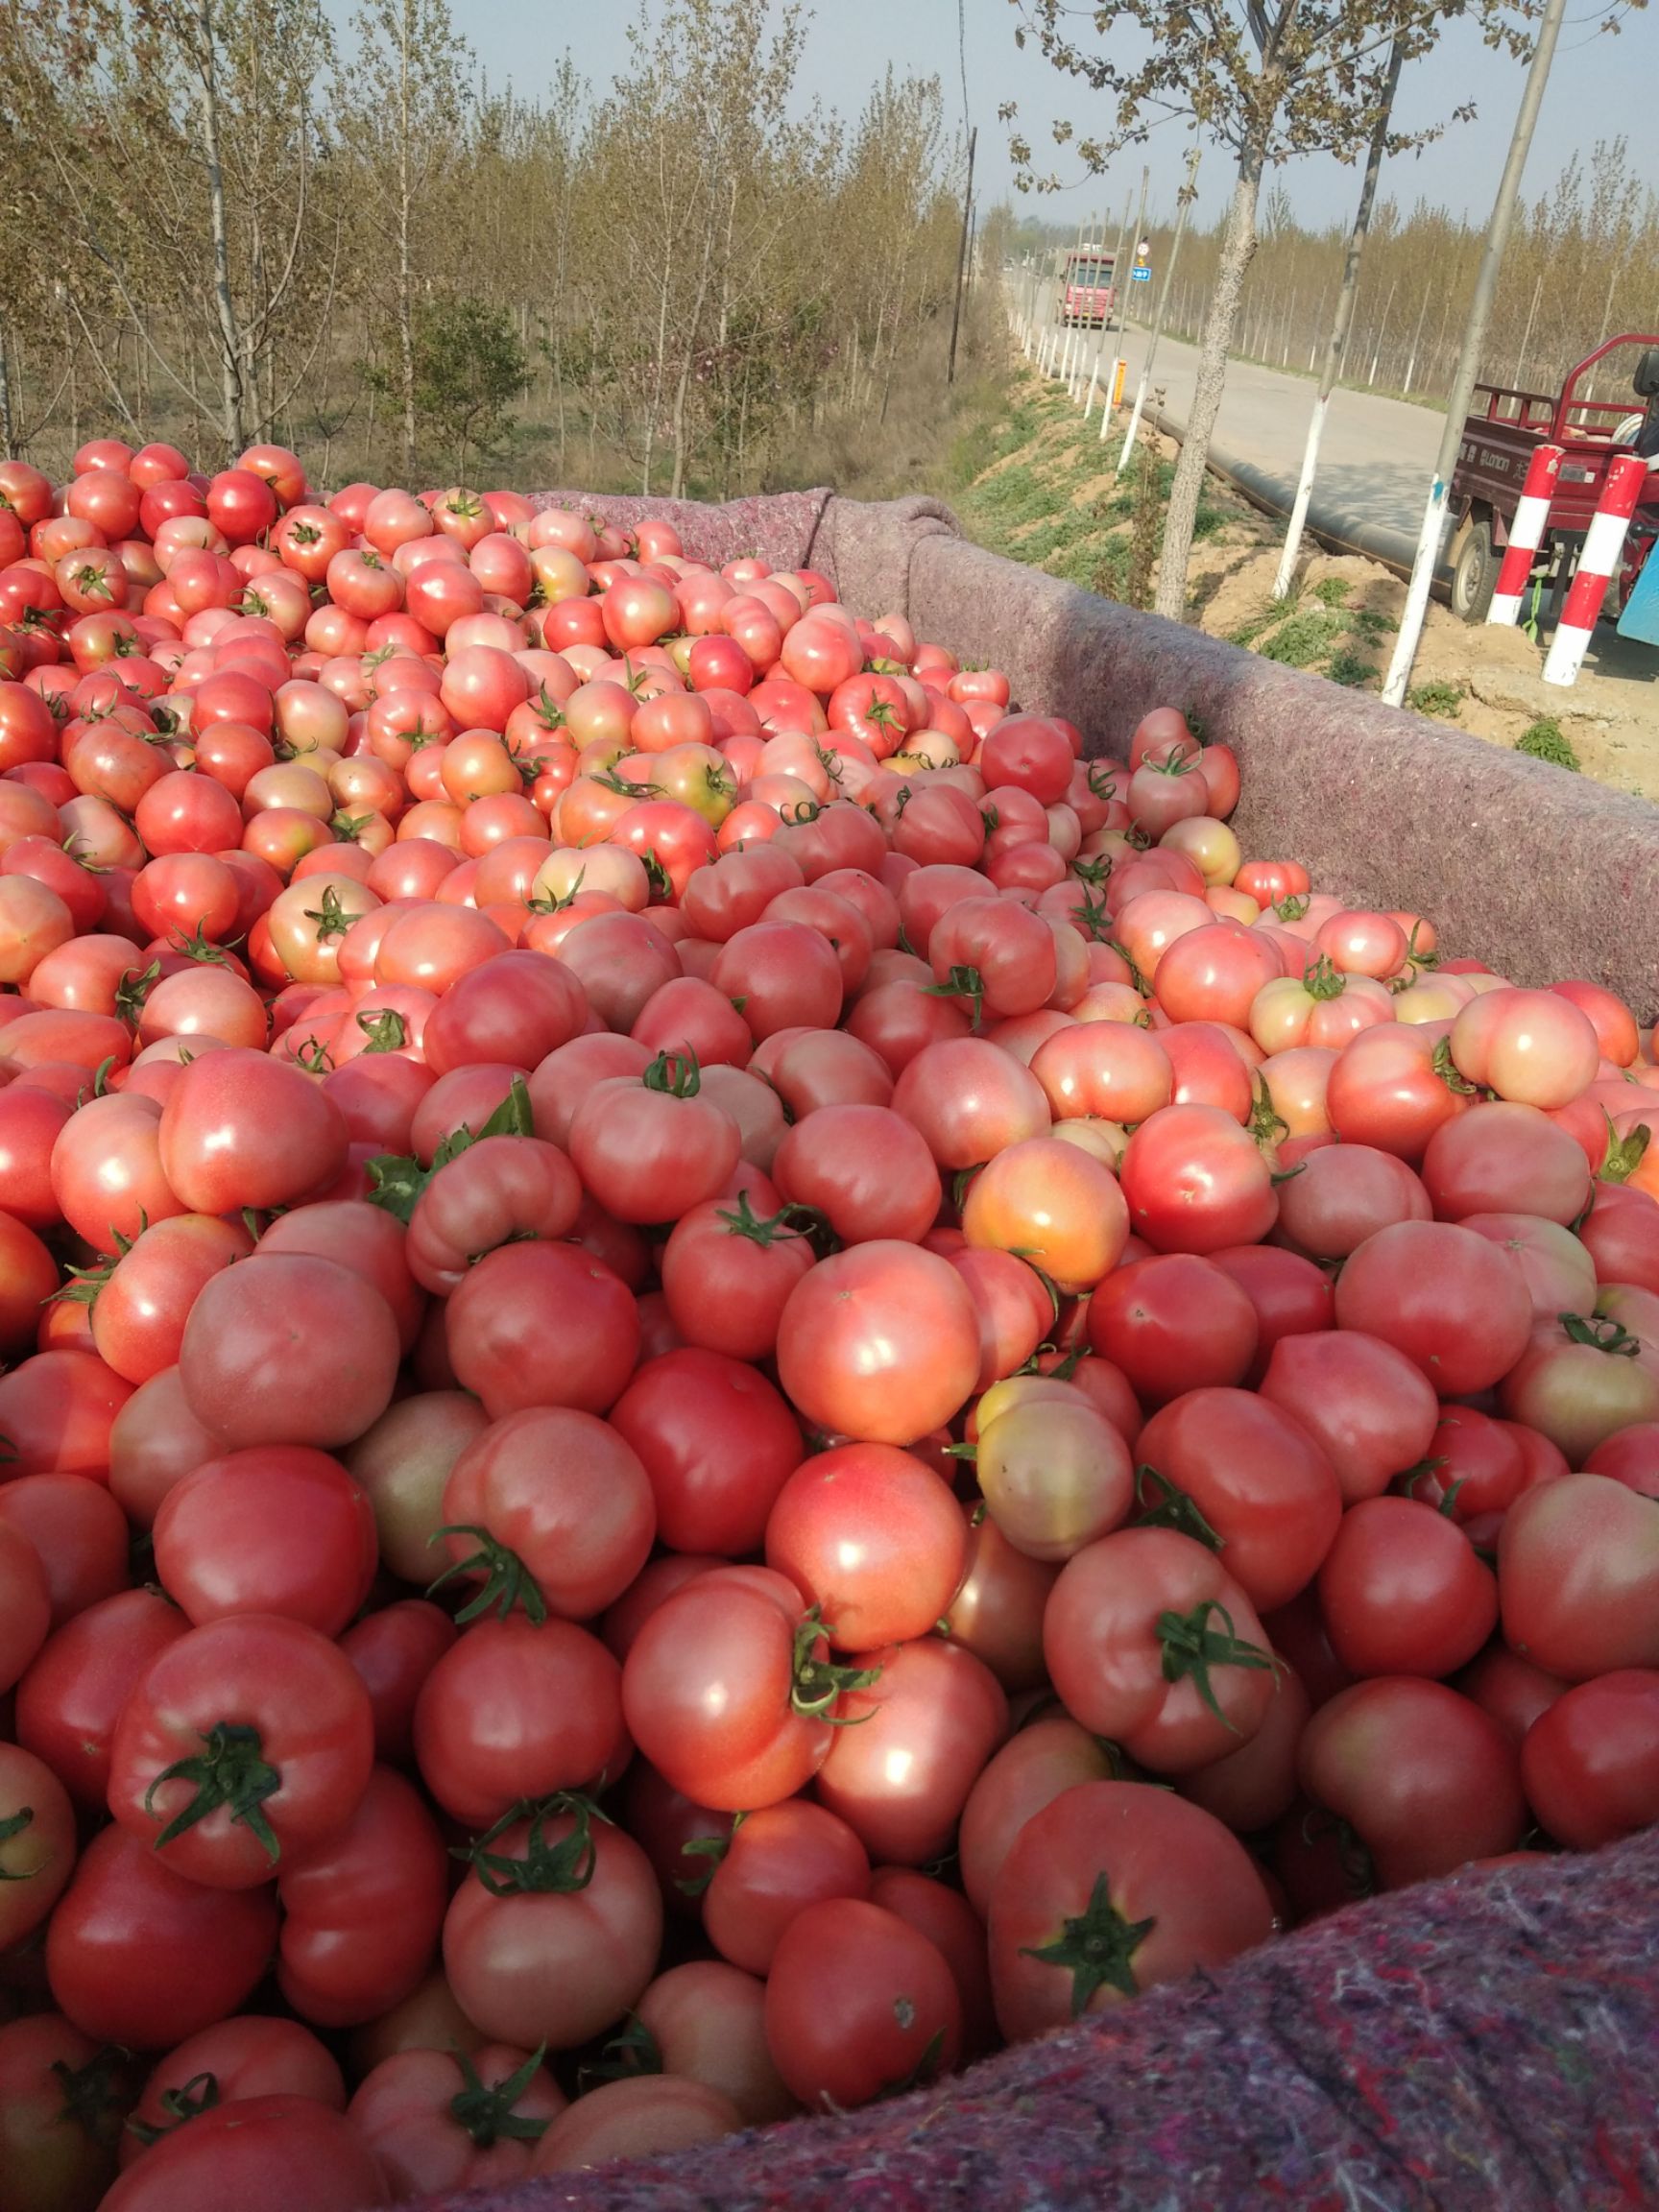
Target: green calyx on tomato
[
  {"x": 1162, "y": 1506},
  {"x": 817, "y": 1684},
  {"x": 1324, "y": 980},
  {"x": 99, "y": 1086},
  {"x": 676, "y": 1074},
  {"x": 632, "y": 2052},
  {"x": 197, "y": 946},
  {"x": 385, "y": 1031},
  {"x": 713, "y": 1850},
  {"x": 1192, "y": 1646},
  {"x": 199, "y": 2094},
  {"x": 1446, "y": 1068},
  {"x": 486, "y": 2113},
  {"x": 1096, "y": 1947},
  {"x": 233, "y": 1772},
  {"x": 791, "y": 1220},
  {"x": 91, "y": 2097},
  {"x": 546, "y": 1869},
  {"x": 396, "y": 1180},
  {"x": 331, "y": 918},
  {"x": 22, "y": 1818},
  {"x": 507, "y": 1580},
  {"x": 134, "y": 988},
  {"x": 1601, "y": 1333},
  {"x": 962, "y": 982},
  {"x": 1625, "y": 1154}
]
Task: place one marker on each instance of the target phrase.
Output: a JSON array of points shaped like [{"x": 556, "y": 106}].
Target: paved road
[{"x": 1375, "y": 464}]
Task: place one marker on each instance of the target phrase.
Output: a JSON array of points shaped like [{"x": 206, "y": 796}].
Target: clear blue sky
[{"x": 1601, "y": 88}]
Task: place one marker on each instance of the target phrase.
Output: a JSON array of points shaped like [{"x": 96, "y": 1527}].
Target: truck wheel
[{"x": 1474, "y": 576}]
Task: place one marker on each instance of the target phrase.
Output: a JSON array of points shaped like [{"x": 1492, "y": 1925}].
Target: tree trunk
[
  {"x": 677, "y": 489},
  {"x": 1237, "y": 244},
  {"x": 405, "y": 284},
  {"x": 8, "y": 424},
  {"x": 1336, "y": 345},
  {"x": 229, "y": 338}
]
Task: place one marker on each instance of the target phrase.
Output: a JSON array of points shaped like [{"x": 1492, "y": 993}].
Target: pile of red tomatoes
[{"x": 726, "y": 1379}]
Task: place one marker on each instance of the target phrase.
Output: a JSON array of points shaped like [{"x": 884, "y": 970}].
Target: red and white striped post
[
  {"x": 1526, "y": 535},
  {"x": 1603, "y": 542}
]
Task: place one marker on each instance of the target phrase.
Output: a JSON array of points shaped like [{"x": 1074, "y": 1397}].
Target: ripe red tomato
[
  {"x": 879, "y": 1343},
  {"x": 717, "y": 1443},
  {"x": 244, "y": 1744},
  {"x": 1578, "y": 1562},
  {"x": 140, "y": 1955},
  {"x": 1111, "y": 1888},
  {"x": 858, "y": 2004},
  {"x": 260, "y": 2153},
  {"x": 515, "y": 1711},
  {"x": 1247, "y": 1480},
  {"x": 280, "y": 1528},
  {"x": 871, "y": 1538},
  {"x": 1150, "y": 1642},
  {"x": 1425, "y": 1779}
]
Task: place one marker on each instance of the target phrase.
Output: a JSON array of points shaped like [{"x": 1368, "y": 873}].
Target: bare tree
[{"x": 1268, "y": 79}]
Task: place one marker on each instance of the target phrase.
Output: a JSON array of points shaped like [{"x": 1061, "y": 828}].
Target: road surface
[{"x": 1375, "y": 463}]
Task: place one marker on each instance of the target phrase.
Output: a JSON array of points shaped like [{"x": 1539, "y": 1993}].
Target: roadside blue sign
[{"x": 1142, "y": 275}]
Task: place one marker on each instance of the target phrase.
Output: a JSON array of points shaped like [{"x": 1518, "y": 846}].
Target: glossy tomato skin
[
  {"x": 514, "y": 1710},
  {"x": 1371, "y": 1407},
  {"x": 1259, "y": 1480},
  {"x": 262, "y": 2153},
  {"x": 256, "y": 1328},
  {"x": 780, "y": 1861},
  {"x": 241, "y": 1128},
  {"x": 858, "y": 2003},
  {"x": 139, "y": 1956},
  {"x": 1454, "y": 1304},
  {"x": 1165, "y": 1886},
  {"x": 1589, "y": 1762},
  {"x": 1110, "y": 1633},
  {"x": 1577, "y": 1577},
  {"x": 1424, "y": 1777},
  {"x": 915, "y": 1741},
  {"x": 713, "y": 1693},
  {"x": 250, "y": 2055},
  {"x": 406, "y": 2110},
  {"x": 542, "y": 1325},
  {"x": 718, "y": 1442},
  {"x": 278, "y": 1695},
  {"x": 1174, "y": 1324},
  {"x": 880, "y": 1343},
  {"x": 362, "y": 1912},
  {"x": 555, "y": 1966},
  {"x": 565, "y": 1494},
  {"x": 873, "y": 1539},
  {"x": 72, "y": 1695},
  {"x": 277, "y": 1529},
  {"x": 1402, "y": 1591},
  {"x": 1195, "y": 1182}
]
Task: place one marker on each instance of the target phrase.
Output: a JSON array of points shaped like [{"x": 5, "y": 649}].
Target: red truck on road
[
  {"x": 1087, "y": 293},
  {"x": 1499, "y": 441}
]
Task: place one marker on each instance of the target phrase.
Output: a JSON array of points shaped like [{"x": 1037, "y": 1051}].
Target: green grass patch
[
  {"x": 1439, "y": 699},
  {"x": 1333, "y": 590},
  {"x": 1546, "y": 740},
  {"x": 1346, "y": 667},
  {"x": 1303, "y": 640}
]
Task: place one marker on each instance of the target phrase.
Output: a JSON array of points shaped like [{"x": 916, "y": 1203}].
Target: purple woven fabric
[
  {"x": 1484, "y": 2044},
  {"x": 780, "y": 528}
]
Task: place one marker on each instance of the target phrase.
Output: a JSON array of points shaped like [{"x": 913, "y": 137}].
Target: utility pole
[
  {"x": 1336, "y": 345},
  {"x": 1187, "y": 194},
  {"x": 962, "y": 254},
  {"x": 1469, "y": 360},
  {"x": 1106, "y": 318}
]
